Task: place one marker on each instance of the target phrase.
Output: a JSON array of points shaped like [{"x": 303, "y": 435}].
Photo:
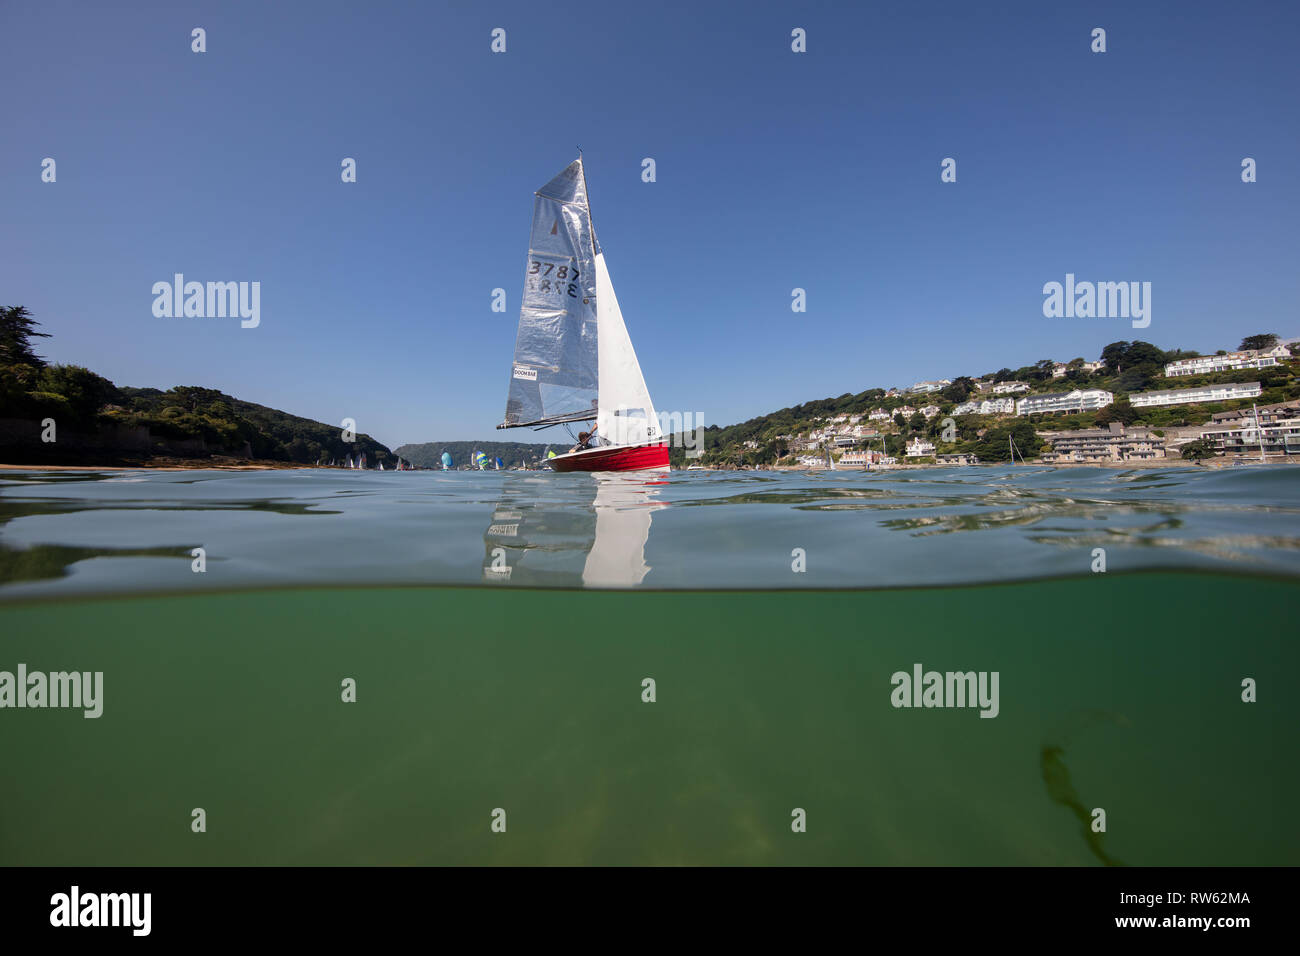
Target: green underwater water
[{"x": 1119, "y": 691}]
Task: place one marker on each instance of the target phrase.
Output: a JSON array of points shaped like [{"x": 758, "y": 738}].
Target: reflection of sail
[
  {"x": 617, "y": 556},
  {"x": 589, "y": 531}
]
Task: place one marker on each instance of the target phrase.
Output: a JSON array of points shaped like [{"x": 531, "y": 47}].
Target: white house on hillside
[
  {"x": 1079, "y": 400},
  {"x": 989, "y": 406},
  {"x": 1206, "y": 393},
  {"x": 1231, "y": 361},
  {"x": 920, "y": 387}
]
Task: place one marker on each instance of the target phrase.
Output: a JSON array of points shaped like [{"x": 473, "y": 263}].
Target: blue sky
[{"x": 775, "y": 170}]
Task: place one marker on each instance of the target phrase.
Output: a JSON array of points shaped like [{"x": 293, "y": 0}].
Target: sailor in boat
[{"x": 585, "y": 440}]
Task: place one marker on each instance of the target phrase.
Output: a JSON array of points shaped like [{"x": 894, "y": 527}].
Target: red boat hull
[{"x": 614, "y": 458}]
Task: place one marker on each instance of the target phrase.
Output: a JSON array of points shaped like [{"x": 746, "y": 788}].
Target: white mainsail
[{"x": 553, "y": 376}]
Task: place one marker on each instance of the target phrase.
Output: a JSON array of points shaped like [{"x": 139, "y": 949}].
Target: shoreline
[
  {"x": 1127, "y": 465},
  {"x": 169, "y": 464},
  {"x": 244, "y": 465}
]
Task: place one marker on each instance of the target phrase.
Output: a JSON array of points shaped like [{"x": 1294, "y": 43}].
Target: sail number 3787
[{"x": 548, "y": 279}]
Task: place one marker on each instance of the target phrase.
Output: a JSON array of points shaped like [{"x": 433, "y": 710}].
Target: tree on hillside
[
  {"x": 1136, "y": 363},
  {"x": 1264, "y": 341},
  {"x": 84, "y": 391},
  {"x": 994, "y": 445},
  {"x": 17, "y": 329},
  {"x": 1138, "y": 378},
  {"x": 1121, "y": 410},
  {"x": 194, "y": 397},
  {"x": 1144, "y": 353},
  {"x": 1113, "y": 356},
  {"x": 958, "y": 391}
]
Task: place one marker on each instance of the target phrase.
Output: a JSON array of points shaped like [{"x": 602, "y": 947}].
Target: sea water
[{"x": 698, "y": 667}]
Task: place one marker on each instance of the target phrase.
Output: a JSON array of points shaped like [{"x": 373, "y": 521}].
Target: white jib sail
[{"x": 625, "y": 415}]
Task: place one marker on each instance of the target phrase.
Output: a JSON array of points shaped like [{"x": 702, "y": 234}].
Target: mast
[
  {"x": 582, "y": 168},
  {"x": 1260, "y": 432}
]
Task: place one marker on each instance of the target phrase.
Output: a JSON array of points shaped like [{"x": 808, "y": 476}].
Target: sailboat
[
  {"x": 1014, "y": 450},
  {"x": 574, "y": 361}
]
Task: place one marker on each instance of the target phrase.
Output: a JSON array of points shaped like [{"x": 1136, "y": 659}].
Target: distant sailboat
[{"x": 574, "y": 361}]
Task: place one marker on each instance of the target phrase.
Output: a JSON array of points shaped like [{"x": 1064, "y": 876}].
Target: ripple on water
[{"x": 107, "y": 532}]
